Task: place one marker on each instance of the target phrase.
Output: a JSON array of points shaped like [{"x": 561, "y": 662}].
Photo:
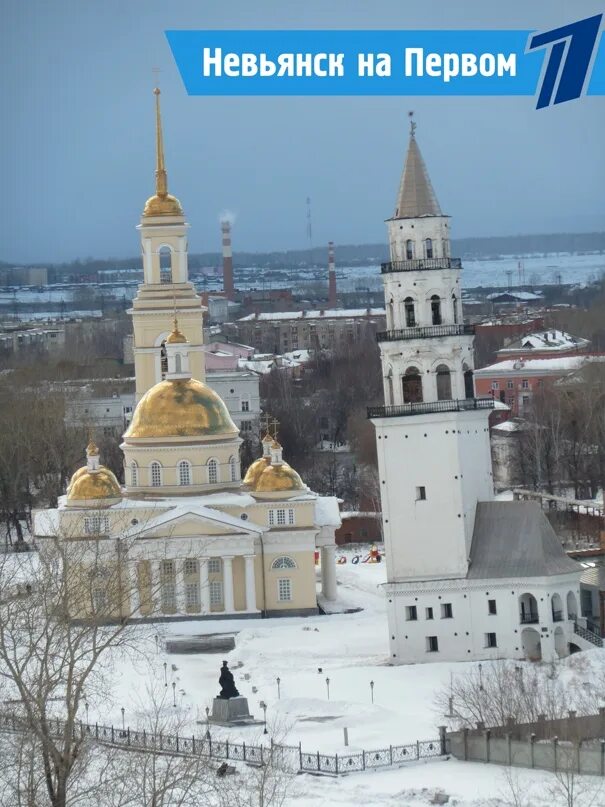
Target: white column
[
  {"x": 204, "y": 586},
  {"x": 156, "y": 587},
  {"x": 179, "y": 580},
  {"x": 228, "y": 583},
  {"x": 250, "y": 583},
  {"x": 134, "y": 595},
  {"x": 328, "y": 571}
]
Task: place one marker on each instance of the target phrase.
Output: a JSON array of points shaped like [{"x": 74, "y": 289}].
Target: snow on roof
[
  {"x": 328, "y": 313},
  {"x": 546, "y": 340},
  {"x": 525, "y": 366},
  {"x": 515, "y": 295},
  {"x": 327, "y": 512},
  {"x": 507, "y": 426},
  {"x": 500, "y": 405}
]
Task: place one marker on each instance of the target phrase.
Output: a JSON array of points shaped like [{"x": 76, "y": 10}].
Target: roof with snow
[
  {"x": 536, "y": 366},
  {"x": 546, "y": 340},
  {"x": 513, "y": 296},
  {"x": 327, "y": 313},
  {"x": 515, "y": 539},
  {"x": 416, "y": 196}
]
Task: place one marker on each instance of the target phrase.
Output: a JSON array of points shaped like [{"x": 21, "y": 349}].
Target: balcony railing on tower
[
  {"x": 425, "y": 332},
  {"x": 430, "y": 407},
  {"x": 420, "y": 263}
]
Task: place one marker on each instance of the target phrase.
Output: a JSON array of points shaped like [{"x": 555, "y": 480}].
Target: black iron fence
[
  {"x": 430, "y": 407},
  {"x": 419, "y": 264},
  {"x": 287, "y": 757},
  {"x": 425, "y": 332}
]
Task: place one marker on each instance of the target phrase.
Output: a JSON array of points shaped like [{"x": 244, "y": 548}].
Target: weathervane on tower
[{"x": 412, "y": 123}]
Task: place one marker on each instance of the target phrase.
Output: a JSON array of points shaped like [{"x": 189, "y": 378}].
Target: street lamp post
[
  {"x": 207, "y": 722},
  {"x": 123, "y": 724},
  {"x": 481, "y": 677},
  {"x": 263, "y": 706},
  {"x": 174, "y": 694},
  {"x": 165, "y": 674},
  {"x": 372, "y": 690},
  {"x": 86, "y": 707},
  {"x": 328, "y": 687},
  {"x": 278, "y": 680}
]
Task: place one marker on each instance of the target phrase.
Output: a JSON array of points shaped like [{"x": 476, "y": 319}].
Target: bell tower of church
[
  {"x": 432, "y": 434},
  {"x": 166, "y": 291}
]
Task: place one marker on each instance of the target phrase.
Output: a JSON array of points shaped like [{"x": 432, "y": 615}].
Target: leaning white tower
[{"x": 432, "y": 434}]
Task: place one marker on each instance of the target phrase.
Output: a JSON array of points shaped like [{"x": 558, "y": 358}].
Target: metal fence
[{"x": 288, "y": 757}]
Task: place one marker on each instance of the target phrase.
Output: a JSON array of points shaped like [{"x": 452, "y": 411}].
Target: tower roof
[
  {"x": 416, "y": 196},
  {"x": 162, "y": 203}
]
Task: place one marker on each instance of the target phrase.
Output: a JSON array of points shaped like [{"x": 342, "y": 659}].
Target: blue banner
[{"x": 391, "y": 62}]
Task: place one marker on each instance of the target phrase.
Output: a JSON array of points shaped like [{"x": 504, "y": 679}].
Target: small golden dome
[
  {"x": 255, "y": 470},
  {"x": 176, "y": 337},
  {"x": 101, "y": 484},
  {"x": 92, "y": 450},
  {"x": 165, "y": 205},
  {"x": 279, "y": 478},
  {"x": 180, "y": 408}
]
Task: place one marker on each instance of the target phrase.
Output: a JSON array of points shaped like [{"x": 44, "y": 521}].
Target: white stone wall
[
  {"x": 418, "y": 230},
  {"x": 448, "y": 454},
  {"x": 463, "y": 637}
]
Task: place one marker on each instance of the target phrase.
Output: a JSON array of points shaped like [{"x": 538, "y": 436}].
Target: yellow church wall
[
  {"x": 239, "y": 583},
  {"x": 197, "y": 455},
  {"x": 302, "y": 581}
]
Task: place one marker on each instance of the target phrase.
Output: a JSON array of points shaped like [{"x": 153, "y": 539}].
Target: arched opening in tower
[
  {"x": 469, "y": 385},
  {"x": 165, "y": 256},
  {"x": 444, "y": 383},
  {"x": 436, "y": 309},
  {"x": 412, "y": 386},
  {"x": 410, "y": 313}
]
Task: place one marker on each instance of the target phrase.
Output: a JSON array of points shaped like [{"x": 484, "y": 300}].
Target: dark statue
[{"x": 228, "y": 689}]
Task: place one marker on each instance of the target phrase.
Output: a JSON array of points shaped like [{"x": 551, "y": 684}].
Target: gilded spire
[
  {"x": 162, "y": 204},
  {"x": 161, "y": 180}
]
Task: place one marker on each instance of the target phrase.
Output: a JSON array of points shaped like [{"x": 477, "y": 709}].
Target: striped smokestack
[
  {"x": 331, "y": 276},
  {"x": 227, "y": 259}
]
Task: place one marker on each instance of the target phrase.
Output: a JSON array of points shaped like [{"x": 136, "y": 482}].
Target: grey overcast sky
[{"x": 76, "y": 145}]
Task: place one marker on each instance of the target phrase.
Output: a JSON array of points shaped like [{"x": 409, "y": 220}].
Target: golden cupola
[
  {"x": 161, "y": 203},
  {"x": 259, "y": 465},
  {"x": 180, "y": 406},
  {"x": 93, "y": 482},
  {"x": 278, "y": 479}
]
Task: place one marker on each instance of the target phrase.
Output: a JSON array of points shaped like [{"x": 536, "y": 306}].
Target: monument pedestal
[{"x": 231, "y": 712}]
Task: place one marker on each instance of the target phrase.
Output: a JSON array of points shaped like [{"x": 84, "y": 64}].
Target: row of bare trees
[{"x": 561, "y": 446}]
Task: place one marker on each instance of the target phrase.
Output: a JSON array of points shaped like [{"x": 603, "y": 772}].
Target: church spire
[
  {"x": 416, "y": 196},
  {"x": 161, "y": 180},
  {"x": 162, "y": 204}
]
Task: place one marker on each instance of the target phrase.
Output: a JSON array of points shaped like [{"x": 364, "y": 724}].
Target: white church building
[{"x": 468, "y": 577}]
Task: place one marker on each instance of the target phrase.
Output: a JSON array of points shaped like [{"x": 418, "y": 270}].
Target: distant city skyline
[{"x": 78, "y": 153}]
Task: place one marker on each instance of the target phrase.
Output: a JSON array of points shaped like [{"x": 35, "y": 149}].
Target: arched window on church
[
  {"x": 178, "y": 363},
  {"x": 212, "y": 472},
  {"x": 163, "y": 360},
  {"x": 410, "y": 312},
  {"x": 469, "y": 385},
  {"x": 156, "y": 474},
  {"x": 283, "y": 562},
  {"x": 428, "y": 248},
  {"x": 233, "y": 469},
  {"x": 184, "y": 472},
  {"x": 436, "y": 309},
  {"x": 412, "y": 386},
  {"x": 455, "y": 308},
  {"x": 165, "y": 258},
  {"x": 409, "y": 249},
  {"x": 444, "y": 383},
  {"x": 134, "y": 474}
]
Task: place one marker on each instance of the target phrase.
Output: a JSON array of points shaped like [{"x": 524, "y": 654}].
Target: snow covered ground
[{"x": 351, "y": 650}]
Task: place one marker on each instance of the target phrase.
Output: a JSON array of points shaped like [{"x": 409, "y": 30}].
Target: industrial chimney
[
  {"x": 331, "y": 276},
  {"x": 227, "y": 259}
]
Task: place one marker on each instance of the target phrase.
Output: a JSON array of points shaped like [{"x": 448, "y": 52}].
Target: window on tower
[
  {"x": 444, "y": 383},
  {"x": 412, "y": 386},
  {"x": 409, "y": 249},
  {"x": 432, "y": 644},
  {"x": 436, "y": 309},
  {"x": 455, "y": 308},
  {"x": 411, "y": 613},
  {"x": 410, "y": 313},
  {"x": 163, "y": 360},
  {"x": 428, "y": 248},
  {"x": 469, "y": 386},
  {"x": 421, "y": 493},
  {"x": 165, "y": 258}
]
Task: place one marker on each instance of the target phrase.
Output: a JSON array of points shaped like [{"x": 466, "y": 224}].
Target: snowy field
[{"x": 351, "y": 650}]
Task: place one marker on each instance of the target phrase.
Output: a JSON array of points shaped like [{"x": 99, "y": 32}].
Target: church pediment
[{"x": 182, "y": 522}]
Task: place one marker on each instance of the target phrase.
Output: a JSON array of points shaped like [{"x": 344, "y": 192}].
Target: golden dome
[
  {"x": 85, "y": 484},
  {"x": 180, "y": 408},
  {"x": 279, "y": 478},
  {"x": 176, "y": 337},
  {"x": 165, "y": 205},
  {"x": 255, "y": 470}
]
